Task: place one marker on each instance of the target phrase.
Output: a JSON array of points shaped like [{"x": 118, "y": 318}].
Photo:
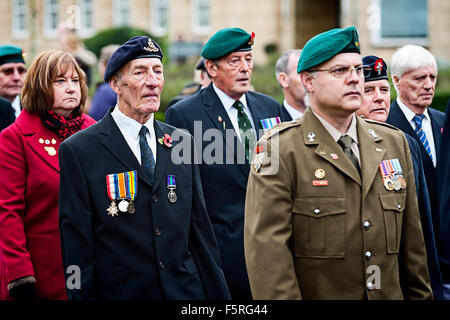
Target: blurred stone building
[{"x": 384, "y": 25}]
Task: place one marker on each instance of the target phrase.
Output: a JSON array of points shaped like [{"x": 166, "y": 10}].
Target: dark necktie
[
  {"x": 246, "y": 132},
  {"x": 346, "y": 143},
  {"x": 147, "y": 160},
  {"x": 418, "y": 119}
]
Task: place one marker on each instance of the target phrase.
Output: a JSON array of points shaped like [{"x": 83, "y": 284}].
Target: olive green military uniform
[{"x": 324, "y": 234}]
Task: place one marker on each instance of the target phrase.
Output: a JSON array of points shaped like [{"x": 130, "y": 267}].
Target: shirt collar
[
  {"x": 131, "y": 126},
  {"x": 294, "y": 113},
  {"x": 335, "y": 134},
  {"x": 228, "y": 102},
  {"x": 409, "y": 114}
]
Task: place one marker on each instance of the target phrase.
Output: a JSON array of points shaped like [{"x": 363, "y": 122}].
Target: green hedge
[{"x": 119, "y": 35}]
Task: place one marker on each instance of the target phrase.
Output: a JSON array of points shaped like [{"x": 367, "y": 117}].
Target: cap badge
[
  {"x": 378, "y": 66},
  {"x": 252, "y": 39},
  {"x": 151, "y": 47}
]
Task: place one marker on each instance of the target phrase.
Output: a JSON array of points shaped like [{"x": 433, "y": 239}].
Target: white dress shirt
[
  {"x": 130, "y": 130},
  {"x": 232, "y": 112},
  {"x": 336, "y": 135},
  {"x": 426, "y": 126},
  {"x": 294, "y": 113},
  {"x": 16, "y": 106}
]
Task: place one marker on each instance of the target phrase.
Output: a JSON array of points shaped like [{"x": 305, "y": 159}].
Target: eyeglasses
[{"x": 345, "y": 71}]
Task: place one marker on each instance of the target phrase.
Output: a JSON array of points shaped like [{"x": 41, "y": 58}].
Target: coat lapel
[
  {"x": 162, "y": 155},
  {"x": 326, "y": 146},
  {"x": 256, "y": 114},
  {"x": 371, "y": 154},
  {"x": 45, "y": 143}
]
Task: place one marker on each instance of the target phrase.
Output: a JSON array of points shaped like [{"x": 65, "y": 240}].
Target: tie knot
[
  {"x": 143, "y": 131},
  {"x": 238, "y": 105},
  {"x": 345, "y": 142},
  {"x": 418, "y": 118}
]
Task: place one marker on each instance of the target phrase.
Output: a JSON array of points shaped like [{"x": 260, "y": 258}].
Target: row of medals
[
  {"x": 395, "y": 183},
  {"x": 124, "y": 206}
]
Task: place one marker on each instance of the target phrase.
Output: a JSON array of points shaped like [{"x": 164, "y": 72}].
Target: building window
[
  {"x": 121, "y": 12},
  {"x": 51, "y": 18},
  {"x": 159, "y": 15},
  {"x": 201, "y": 16},
  {"x": 86, "y": 17},
  {"x": 19, "y": 19},
  {"x": 400, "y": 22}
]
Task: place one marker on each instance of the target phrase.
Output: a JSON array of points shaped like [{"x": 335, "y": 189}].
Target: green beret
[
  {"x": 227, "y": 40},
  {"x": 10, "y": 54},
  {"x": 326, "y": 45}
]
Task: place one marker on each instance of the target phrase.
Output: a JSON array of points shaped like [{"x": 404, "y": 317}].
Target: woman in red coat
[{"x": 53, "y": 99}]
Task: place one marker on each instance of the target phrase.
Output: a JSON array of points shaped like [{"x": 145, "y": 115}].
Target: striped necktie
[
  {"x": 246, "y": 131},
  {"x": 418, "y": 118}
]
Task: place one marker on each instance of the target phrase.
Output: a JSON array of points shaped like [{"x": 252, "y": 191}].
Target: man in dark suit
[
  {"x": 293, "y": 106},
  {"x": 133, "y": 221},
  {"x": 375, "y": 106},
  {"x": 414, "y": 72},
  {"x": 234, "y": 115},
  {"x": 6, "y": 113}
]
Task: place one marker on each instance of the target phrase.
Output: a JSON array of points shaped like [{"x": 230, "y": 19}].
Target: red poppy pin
[
  {"x": 166, "y": 140},
  {"x": 252, "y": 39}
]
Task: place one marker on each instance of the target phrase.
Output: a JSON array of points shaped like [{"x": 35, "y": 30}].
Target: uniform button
[
  {"x": 368, "y": 255},
  {"x": 370, "y": 286},
  {"x": 155, "y": 199},
  {"x": 161, "y": 265},
  {"x": 158, "y": 231},
  {"x": 399, "y": 206},
  {"x": 317, "y": 211},
  {"x": 366, "y": 225}
]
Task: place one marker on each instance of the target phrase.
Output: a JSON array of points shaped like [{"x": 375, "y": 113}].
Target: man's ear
[
  {"x": 282, "y": 79},
  {"x": 307, "y": 81},
  {"x": 211, "y": 68},
  {"x": 396, "y": 80},
  {"x": 114, "y": 84}
]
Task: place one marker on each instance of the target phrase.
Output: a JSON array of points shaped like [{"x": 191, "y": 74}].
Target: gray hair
[
  {"x": 410, "y": 57},
  {"x": 282, "y": 62}
]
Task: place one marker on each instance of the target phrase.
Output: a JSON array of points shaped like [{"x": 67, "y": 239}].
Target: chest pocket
[
  {"x": 319, "y": 227},
  {"x": 393, "y": 205}
]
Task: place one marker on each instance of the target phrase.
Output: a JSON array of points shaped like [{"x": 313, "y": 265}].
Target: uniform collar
[
  {"x": 131, "y": 126},
  {"x": 335, "y": 134}
]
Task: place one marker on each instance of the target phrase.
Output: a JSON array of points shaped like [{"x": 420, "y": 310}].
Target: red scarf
[{"x": 63, "y": 127}]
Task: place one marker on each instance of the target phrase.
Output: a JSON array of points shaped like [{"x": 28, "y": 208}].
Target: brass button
[
  {"x": 366, "y": 225},
  {"x": 317, "y": 211},
  {"x": 368, "y": 255}
]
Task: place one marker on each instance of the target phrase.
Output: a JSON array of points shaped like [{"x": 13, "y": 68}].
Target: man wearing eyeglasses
[
  {"x": 339, "y": 218},
  {"x": 12, "y": 75}
]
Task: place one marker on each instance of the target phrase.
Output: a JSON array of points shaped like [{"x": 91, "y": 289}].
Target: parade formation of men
[{"x": 234, "y": 196}]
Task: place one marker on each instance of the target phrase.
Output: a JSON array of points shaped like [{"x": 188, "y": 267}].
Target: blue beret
[
  {"x": 10, "y": 54},
  {"x": 326, "y": 45},
  {"x": 226, "y": 41},
  {"x": 377, "y": 70},
  {"x": 135, "y": 48}
]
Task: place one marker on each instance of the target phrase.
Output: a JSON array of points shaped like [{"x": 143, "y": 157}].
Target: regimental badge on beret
[
  {"x": 252, "y": 39},
  {"x": 151, "y": 47},
  {"x": 378, "y": 66}
]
